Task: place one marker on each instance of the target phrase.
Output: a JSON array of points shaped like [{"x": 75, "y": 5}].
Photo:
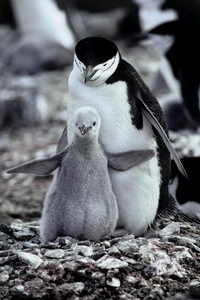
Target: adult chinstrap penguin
[{"x": 103, "y": 79}]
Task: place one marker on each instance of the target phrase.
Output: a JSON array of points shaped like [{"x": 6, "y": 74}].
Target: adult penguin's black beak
[{"x": 89, "y": 73}]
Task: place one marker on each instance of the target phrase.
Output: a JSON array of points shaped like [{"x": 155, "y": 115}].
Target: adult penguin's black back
[{"x": 137, "y": 89}]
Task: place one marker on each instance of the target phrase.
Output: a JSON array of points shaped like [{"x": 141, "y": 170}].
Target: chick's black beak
[
  {"x": 89, "y": 73},
  {"x": 84, "y": 129}
]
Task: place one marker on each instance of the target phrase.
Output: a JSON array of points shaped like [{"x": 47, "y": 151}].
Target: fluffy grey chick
[{"x": 80, "y": 202}]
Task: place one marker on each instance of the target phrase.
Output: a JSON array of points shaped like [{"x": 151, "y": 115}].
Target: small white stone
[
  {"x": 4, "y": 276},
  {"x": 55, "y": 253},
  {"x": 84, "y": 250},
  {"x": 106, "y": 244},
  {"x": 132, "y": 279},
  {"x": 115, "y": 282},
  {"x": 170, "y": 229},
  {"x": 109, "y": 262},
  {"x": 127, "y": 245},
  {"x": 85, "y": 260},
  {"x": 30, "y": 259},
  {"x": 129, "y": 260},
  {"x": 75, "y": 286},
  {"x": 166, "y": 266},
  {"x": 20, "y": 288},
  {"x": 180, "y": 252},
  {"x": 113, "y": 250}
]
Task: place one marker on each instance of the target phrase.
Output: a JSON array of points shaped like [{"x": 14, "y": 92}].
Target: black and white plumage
[
  {"x": 80, "y": 201},
  {"x": 102, "y": 79}
]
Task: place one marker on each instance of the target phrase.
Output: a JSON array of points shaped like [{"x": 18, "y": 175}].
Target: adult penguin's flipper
[
  {"x": 126, "y": 160},
  {"x": 154, "y": 122}
]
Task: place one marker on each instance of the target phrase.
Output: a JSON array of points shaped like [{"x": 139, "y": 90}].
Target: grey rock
[
  {"x": 113, "y": 250},
  {"x": 6, "y": 253},
  {"x": 85, "y": 250},
  {"x": 163, "y": 266},
  {"x": 127, "y": 246},
  {"x": 7, "y": 259},
  {"x": 109, "y": 262},
  {"x": 51, "y": 271},
  {"x": 4, "y": 237},
  {"x": 23, "y": 235},
  {"x": 186, "y": 241},
  {"x": 75, "y": 286},
  {"x": 4, "y": 246},
  {"x": 30, "y": 259},
  {"x": 70, "y": 265},
  {"x": 4, "y": 277},
  {"x": 170, "y": 229},
  {"x": 34, "y": 288},
  {"x": 57, "y": 253},
  {"x": 115, "y": 282}
]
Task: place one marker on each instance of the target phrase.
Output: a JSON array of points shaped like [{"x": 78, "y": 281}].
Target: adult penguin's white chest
[
  {"x": 137, "y": 189},
  {"x": 117, "y": 132}
]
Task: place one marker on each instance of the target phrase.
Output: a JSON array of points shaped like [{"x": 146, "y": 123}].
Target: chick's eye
[
  {"x": 94, "y": 124},
  {"x": 104, "y": 64}
]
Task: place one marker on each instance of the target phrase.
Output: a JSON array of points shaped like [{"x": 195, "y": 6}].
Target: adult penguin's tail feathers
[{"x": 174, "y": 213}]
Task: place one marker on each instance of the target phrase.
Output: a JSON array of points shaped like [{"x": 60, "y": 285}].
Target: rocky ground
[{"x": 164, "y": 266}]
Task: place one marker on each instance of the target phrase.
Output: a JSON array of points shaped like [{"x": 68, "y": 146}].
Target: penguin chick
[
  {"x": 80, "y": 201},
  {"x": 126, "y": 106}
]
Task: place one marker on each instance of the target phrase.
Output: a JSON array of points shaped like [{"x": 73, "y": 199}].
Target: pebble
[
  {"x": 135, "y": 268},
  {"x": 85, "y": 250},
  {"x": 114, "y": 250},
  {"x": 57, "y": 253},
  {"x": 75, "y": 286},
  {"x": 30, "y": 259},
  {"x": 170, "y": 229},
  {"x": 109, "y": 262},
  {"x": 4, "y": 276},
  {"x": 127, "y": 246},
  {"x": 115, "y": 282}
]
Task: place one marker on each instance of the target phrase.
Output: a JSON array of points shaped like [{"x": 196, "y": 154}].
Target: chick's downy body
[{"x": 80, "y": 202}]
